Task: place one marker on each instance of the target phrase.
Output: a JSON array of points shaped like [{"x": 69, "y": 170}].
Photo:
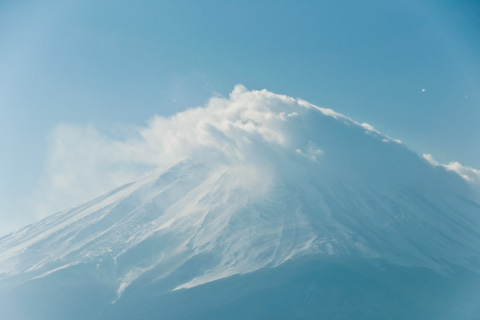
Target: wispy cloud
[
  {"x": 469, "y": 174},
  {"x": 83, "y": 162}
]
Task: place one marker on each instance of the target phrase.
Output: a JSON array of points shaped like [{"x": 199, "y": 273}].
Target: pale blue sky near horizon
[{"x": 118, "y": 63}]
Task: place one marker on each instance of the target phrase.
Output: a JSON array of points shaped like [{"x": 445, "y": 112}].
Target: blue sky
[{"x": 115, "y": 64}]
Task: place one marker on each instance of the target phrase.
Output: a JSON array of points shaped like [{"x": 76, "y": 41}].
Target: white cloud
[
  {"x": 430, "y": 159},
  {"x": 83, "y": 162},
  {"x": 370, "y": 128},
  {"x": 469, "y": 174}
]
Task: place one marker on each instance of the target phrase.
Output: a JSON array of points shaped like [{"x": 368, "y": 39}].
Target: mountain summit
[{"x": 250, "y": 193}]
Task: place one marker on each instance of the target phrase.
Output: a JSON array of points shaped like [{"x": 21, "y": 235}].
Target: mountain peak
[{"x": 251, "y": 182}]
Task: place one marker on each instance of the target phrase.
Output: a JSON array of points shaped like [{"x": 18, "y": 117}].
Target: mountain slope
[{"x": 247, "y": 184}]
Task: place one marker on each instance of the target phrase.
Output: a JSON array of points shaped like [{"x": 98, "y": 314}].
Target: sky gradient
[{"x": 410, "y": 69}]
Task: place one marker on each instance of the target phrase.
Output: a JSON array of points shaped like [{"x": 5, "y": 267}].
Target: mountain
[{"x": 262, "y": 206}]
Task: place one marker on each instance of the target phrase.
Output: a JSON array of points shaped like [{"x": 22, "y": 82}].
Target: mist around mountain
[{"x": 261, "y": 206}]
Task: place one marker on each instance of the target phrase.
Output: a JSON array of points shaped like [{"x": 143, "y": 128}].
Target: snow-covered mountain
[{"x": 246, "y": 184}]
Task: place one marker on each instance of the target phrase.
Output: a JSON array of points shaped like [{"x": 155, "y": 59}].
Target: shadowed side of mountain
[{"x": 312, "y": 287}]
